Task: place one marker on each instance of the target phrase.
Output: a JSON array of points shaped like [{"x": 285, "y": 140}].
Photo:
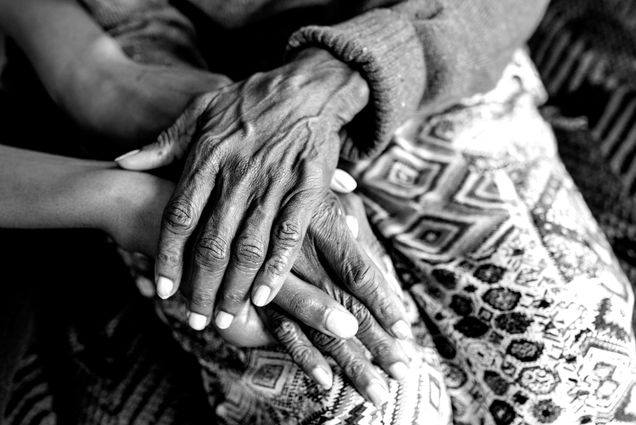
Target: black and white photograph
[{"x": 307, "y": 212}]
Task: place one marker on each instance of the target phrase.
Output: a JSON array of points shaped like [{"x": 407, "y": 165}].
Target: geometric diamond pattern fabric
[{"x": 528, "y": 307}]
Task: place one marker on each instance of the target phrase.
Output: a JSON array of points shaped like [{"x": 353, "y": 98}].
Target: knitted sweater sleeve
[{"x": 422, "y": 53}]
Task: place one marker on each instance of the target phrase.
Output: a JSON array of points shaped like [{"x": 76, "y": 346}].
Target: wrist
[
  {"x": 98, "y": 192},
  {"x": 132, "y": 205},
  {"x": 326, "y": 69}
]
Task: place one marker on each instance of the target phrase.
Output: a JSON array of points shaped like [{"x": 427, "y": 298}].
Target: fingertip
[
  {"x": 127, "y": 155},
  {"x": 223, "y": 320},
  {"x": 402, "y": 330},
  {"x": 197, "y": 321},
  {"x": 147, "y": 158},
  {"x": 343, "y": 182},
  {"x": 399, "y": 371},
  {"x": 323, "y": 377},
  {"x": 261, "y": 295},
  {"x": 341, "y": 323},
  {"x": 378, "y": 393},
  {"x": 145, "y": 286},
  {"x": 165, "y": 287}
]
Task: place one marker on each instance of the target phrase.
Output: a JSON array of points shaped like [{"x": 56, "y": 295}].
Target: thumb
[{"x": 171, "y": 145}]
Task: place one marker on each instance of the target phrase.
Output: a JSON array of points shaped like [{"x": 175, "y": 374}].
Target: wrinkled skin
[
  {"x": 261, "y": 153},
  {"x": 263, "y": 177},
  {"x": 297, "y": 321}
]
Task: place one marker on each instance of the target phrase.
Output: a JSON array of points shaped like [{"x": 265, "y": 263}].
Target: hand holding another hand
[
  {"x": 261, "y": 153},
  {"x": 311, "y": 315}
]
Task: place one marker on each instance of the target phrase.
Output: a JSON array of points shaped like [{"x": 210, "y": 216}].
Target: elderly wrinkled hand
[
  {"x": 260, "y": 156},
  {"x": 312, "y": 315}
]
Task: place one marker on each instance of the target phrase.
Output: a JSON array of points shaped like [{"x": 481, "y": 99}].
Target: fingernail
[
  {"x": 261, "y": 296},
  {"x": 197, "y": 321},
  {"x": 402, "y": 330},
  {"x": 337, "y": 187},
  {"x": 223, "y": 320},
  {"x": 341, "y": 324},
  {"x": 345, "y": 180},
  {"x": 399, "y": 371},
  {"x": 126, "y": 155},
  {"x": 164, "y": 287},
  {"x": 323, "y": 377},
  {"x": 378, "y": 393},
  {"x": 146, "y": 287},
  {"x": 352, "y": 223}
]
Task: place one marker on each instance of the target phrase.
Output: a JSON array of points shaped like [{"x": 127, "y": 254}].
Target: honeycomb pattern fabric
[{"x": 518, "y": 300}]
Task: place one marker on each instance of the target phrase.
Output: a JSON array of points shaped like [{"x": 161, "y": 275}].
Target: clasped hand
[{"x": 259, "y": 157}]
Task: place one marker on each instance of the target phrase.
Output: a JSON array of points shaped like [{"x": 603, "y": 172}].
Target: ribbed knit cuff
[{"x": 383, "y": 46}]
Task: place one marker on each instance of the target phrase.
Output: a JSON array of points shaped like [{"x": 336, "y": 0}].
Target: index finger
[{"x": 181, "y": 216}]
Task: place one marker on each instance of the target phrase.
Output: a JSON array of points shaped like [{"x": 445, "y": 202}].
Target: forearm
[
  {"x": 88, "y": 75},
  {"x": 46, "y": 191},
  {"x": 43, "y": 191},
  {"x": 67, "y": 49}
]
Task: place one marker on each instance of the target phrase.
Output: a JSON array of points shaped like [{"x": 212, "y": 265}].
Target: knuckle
[
  {"x": 250, "y": 252},
  {"x": 355, "y": 368},
  {"x": 179, "y": 216},
  {"x": 302, "y": 354},
  {"x": 232, "y": 298},
  {"x": 300, "y": 304},
  {"x": 277, "y": 265},
  {"x": 168, "y": 257},
  {"x": 362, "y": 314},
  {"x": 240, "y": 170},
  {"x": 325, "y": 342},
  {"x": 288, "y": 234},
  {"x": 286, "y": 331},
  {"x": 383, "y": 350},
  {"x": 359, "y": 277},
  {"x": 384, "y": 308},
  {"x": 211, "y": 250},
  {"x": 202, "y": 300}
]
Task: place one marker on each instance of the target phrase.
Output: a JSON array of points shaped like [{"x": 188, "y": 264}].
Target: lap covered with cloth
[{"x": 521, "y": 312}]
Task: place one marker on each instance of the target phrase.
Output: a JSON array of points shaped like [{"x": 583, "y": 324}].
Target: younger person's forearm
[
  {"x": 85, "y": 71},
  {"x": 39, "y": 190}
]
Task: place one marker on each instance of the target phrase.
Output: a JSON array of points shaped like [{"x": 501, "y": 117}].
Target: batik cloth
[{"x": 520, "y": 310}]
